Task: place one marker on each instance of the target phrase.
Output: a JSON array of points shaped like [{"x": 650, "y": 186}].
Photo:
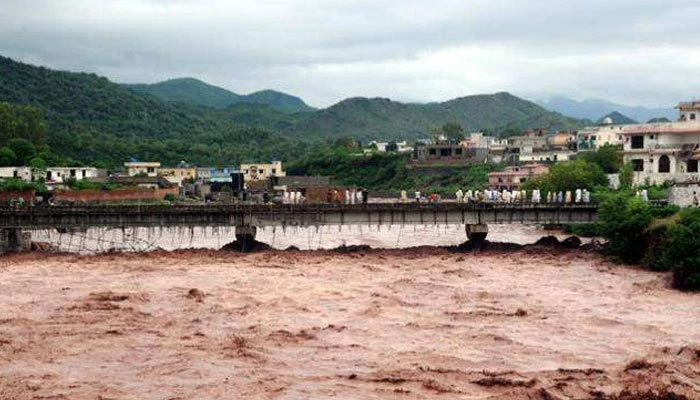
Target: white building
[
  {"x": 546, "y": 156},
  {"x": 61, "y": 174},
  {"x": 259, "y": 172},
  {"x": 666, "y": 151},
  {"x": 134, "y": 168},
  {"x": 592, "y": 137},
  {"x": 23, "y": 173}
]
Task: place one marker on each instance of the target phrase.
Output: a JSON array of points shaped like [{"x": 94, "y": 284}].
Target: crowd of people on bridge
[{"x": 507, "y": 196}]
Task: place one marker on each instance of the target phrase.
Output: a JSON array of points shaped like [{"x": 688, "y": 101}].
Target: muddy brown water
[{"x": 404, "y": 323}]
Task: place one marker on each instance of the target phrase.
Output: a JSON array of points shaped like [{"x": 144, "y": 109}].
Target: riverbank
[{"x": 371, "y": 324}]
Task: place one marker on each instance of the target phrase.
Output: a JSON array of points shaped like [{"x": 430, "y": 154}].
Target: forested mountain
[
  {"x": 188, "y": 90},
  {"x": 386, "y": 119},
  {"x": 196, "y": 92},
  {"x": 88, "y": 119},
  {"x": 92, "y": 120}
]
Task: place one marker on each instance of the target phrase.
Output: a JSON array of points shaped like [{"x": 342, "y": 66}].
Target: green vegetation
[
  {"x": 661, "y": 239},
  {"x": 607, "y": 157},
  {"x": 16, "y": 184},
  {"x": 90, "y": 120},
  {"x": 386, "y": 171},
  {"x": 374, "y": 118},
  {"x": 570, "y": 175}
]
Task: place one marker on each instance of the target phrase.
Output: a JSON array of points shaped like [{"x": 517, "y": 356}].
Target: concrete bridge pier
[
  {"x": 246, "y": 233},
  {"x": 13, "y": 239},
  {"x": 476, "y": 232}
]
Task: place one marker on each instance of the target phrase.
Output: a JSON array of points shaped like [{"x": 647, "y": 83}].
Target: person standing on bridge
[
  {"x": 365, "y": 196},
  {"x": 417, "y": 196},
  {"x": 459, "y": 195}
]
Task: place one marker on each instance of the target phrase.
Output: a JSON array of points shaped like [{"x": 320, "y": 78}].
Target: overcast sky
[{"x": 635, "y": 52}]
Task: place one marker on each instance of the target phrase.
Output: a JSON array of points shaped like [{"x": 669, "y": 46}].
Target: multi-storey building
[
  {"x": 593, "y": 137},
  {"x": 666, "y": 151}
]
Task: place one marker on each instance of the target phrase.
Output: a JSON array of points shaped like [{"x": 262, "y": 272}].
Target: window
[
  {"x": 14, "y": 173},
  {"x": 445, "y": 152},
  {"x": 692, "y": 116},
  {"x": 274, "y": 170},
  {"x": 651, "y": 137},
  {"x": 638, "y": 165},
  {"x": 72, "y": 173},
  {"x": 692, "y": 165},
  {"x": 664, "y": 164},
  {"x": 84, "y": 173},
  {"x": 458, "y": 151},
  {"x": 150, "y": 170},
  {"x": 637, "y": 142},
  {"x": 432, "y": 151},
  {"x": 522, "y": 180}
]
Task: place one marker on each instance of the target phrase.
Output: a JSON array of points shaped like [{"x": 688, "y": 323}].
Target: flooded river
[{"x": 407, "y": 323}]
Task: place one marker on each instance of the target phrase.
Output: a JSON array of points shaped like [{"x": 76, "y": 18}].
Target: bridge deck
[{"x": 43, "y": 217}]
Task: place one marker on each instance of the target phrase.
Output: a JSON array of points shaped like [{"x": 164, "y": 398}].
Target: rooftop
[{"x": 681, "y": 127}]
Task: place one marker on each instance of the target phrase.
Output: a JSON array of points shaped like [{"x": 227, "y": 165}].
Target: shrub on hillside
[
  {"x": 623, "y": 220},
  {"x": 681, "y": 250}
]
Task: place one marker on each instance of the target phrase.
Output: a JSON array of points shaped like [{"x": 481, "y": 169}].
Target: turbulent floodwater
[{"x": 407, "y": 323}]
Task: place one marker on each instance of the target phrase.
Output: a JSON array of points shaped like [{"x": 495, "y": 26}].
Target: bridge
[{"x": 248, "y": 217}]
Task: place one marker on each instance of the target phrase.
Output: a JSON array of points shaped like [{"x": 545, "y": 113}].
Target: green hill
[
  {"x": 371, "y": 118},
  {"x": 196, "y": 92},
  {"x": 188, "y": 90},
  {"x": 92, "y": 120}
]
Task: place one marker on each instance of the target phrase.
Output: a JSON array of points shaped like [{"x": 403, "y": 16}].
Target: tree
[
  {"x": 607, "y": 157},
  {"x": 8, "y": 157},
  {"x": 23, "y": 149},
  {"x": 622, "y": 220},
  {"x": 453, "y": 131},
  {"x": 569, "y": 175},
  {"x": 626, "y": 176},
  {"x": 392, "y": 146}
]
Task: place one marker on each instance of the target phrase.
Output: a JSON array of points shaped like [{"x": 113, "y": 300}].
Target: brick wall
[
  {"x": 114, "y": 195},
  {"x": 27, "y": 195}
]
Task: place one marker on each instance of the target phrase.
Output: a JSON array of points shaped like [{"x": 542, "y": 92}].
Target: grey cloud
[{"x": 412, "y": 50}]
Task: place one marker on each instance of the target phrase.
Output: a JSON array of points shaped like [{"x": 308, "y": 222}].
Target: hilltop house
[
  {"x": 178, "y": 174},
  {"x": 134, "y": 168},
  {"x": 260, "y": 172},
  {"x": 592, "y": 137},
  {"x": 512, "y": 177},
  {"x": 666, "y": 151}
]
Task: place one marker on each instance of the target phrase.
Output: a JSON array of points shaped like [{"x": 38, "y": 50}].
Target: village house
[
  {"x": 62, "y": 174},
  {"x": 178, "y": 174},
  {"x": 134, "y": 168},
  {"x": 512, "y": 177},
  {"x": 23, "y": 173},
  {"x": 593, "y": 137},
  {"x": 262, "y": 171},
  {"x": 665, "y": 151}
]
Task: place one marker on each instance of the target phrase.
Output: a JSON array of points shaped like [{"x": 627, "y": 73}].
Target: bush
[
  {"x": 681, "y": 250},
  {"x": 622, "y": 220},
  {"x": 571, "y": 175},
  {"x": 169, "y": 197}
]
